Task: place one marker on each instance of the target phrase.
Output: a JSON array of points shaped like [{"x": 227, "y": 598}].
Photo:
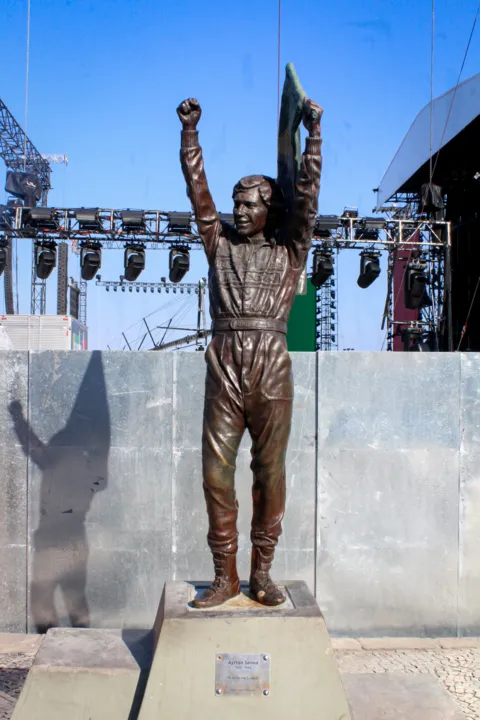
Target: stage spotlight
[
  {"x": 227, "y": 218},
  {"x": 90, "y": 260},
  {"x": 369, "y": 228},
  {"x": 134, "y": 261},
  {"x": 179, "y": 223},
  {"x": 324, "y": 224},
  {"x": 179, "y": 264},
  {"x": 45, "y": 259},
  {"x": 24, "y": 185},
  {"x": 3, "y": 256},
  {"x": 416, "y": 281},
  {"x": 123, "y": 288},
  {"x": 369, "y": 268},
  {"x": 130, "y": 288},
  {"x": 107, "y": 288},
  {"x": 133, "y": 220},
  {"x": 114, "y": 288},
  {"x": 322, "y": 268},
  {"x": 137, "y": 288},
  {"x": 350, "y": 212},
  {"x": 89, "y": 219},
  {"x": 41, "y": 218}
]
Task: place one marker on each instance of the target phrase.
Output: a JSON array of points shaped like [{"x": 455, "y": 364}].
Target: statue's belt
[{"x": 250, "y": 323}]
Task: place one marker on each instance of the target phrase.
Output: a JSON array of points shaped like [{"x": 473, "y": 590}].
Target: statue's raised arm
[
  {"x": 305, "y": 206},
  {"x": 207, "y": 218}
]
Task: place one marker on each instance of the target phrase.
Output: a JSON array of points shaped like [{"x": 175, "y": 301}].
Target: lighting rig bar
[
  {"x": 111, "y": 228},
  {"x": 345, "y": 232},
  {"x": 164, "y": 286}
]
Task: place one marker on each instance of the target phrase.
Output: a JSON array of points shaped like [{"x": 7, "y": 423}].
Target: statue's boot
[
  {"x": 226, "y": 584},
  {"x": 262, "y": 586}
]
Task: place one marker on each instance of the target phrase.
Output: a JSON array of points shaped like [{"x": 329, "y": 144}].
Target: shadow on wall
[{"x": 75, "y": 467}]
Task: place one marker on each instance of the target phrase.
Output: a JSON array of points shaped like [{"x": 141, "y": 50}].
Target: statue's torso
[{"x": 249, "y": 280}]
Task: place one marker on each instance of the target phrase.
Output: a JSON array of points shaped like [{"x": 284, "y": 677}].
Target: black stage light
[
  {"x": 134, "y": 261},
  {"x": 350, "y": 212},
  {"x": 89, "y": 219},
  {"x": 179, "y": 223},
  {"x": 179, "y": 264},
  {"x": 412, "y": 339},
  {"x": 227, "y": 218},
  {"x": 324, "y": 224},
  {"x": 369, "y": 228},
  {"x": 322, "y": 268},
  {"x": 5, "y": 218},
  {"x": 41, "y": 218},
  {"x": 369, "y": 268},
  {"x": 3, "y": 256},
  {"x": 416, "y": 281},
  {"x": 45, "y": 259},
  {"x": 90, "y": 260},
  {"x": 24, "y": 185},
  {"x": 133, "y": 220}
]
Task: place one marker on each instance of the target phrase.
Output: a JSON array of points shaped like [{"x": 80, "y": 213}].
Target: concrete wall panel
[
  {"x": 388, "y": 466},
  {"x": 13, "y": 495},
  {"x": 100, "y": 487},
  {"x": 469, "y": 526}
]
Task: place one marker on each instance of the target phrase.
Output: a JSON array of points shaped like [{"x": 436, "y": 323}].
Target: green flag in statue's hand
[{"x": 289, "y": 149}]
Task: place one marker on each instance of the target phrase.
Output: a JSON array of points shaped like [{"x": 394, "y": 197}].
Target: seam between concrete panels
[
  {"x": 173, "y": 542},
  {"x": 27, "y": 502},
  {"x": 459, "y": 487},
  {"x": 459, "y": 494},
  {"x": 316, "y": 538}
]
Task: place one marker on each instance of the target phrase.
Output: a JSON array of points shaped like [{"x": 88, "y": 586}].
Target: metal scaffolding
[{"x": 415, "y": 240}]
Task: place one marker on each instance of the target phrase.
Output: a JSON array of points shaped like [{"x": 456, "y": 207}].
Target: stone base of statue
[
  {"x": 86, "y": 675},
  {"x": 242, "y": 660},
  {"x": 235, "y": 662}
]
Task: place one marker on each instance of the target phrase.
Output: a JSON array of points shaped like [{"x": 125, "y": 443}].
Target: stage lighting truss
[
  {"x": 90, "y": 259},
  {"x": 113, "y": 228},
  {"x": 45, "y": 258},
  {"x": 323, "y": 278}
]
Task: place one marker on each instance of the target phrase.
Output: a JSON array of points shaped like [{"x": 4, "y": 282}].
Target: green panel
[{"x": 301, "y": 334}]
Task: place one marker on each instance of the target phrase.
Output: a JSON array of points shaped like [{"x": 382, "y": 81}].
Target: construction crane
[{"x": 20, "y": 154}]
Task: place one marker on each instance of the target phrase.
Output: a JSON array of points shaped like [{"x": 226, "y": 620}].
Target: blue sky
[{"x": 106, "y": 77}]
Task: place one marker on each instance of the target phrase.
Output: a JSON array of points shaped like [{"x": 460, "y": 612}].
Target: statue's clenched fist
[
  {"x": 189, "y": 112},
  {"x": 312, "y": 115}
]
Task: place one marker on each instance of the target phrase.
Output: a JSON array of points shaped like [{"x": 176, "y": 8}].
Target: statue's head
[{"x": 259, "y": 206}]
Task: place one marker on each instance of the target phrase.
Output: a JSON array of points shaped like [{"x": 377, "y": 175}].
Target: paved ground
[{"x": 456, "y": 664}]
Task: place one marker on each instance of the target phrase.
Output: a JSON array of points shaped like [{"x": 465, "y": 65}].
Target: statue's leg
[
  {"x": 269, "y": 424},
  {"x": 223, "y": 427}
]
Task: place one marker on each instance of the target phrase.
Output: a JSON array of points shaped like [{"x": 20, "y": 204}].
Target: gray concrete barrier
[{"x": 102, "y": 502}]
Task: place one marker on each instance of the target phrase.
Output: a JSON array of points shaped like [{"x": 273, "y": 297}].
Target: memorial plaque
[{"x": 242, "y": 674}]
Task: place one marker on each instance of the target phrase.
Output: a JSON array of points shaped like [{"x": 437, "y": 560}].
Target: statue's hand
[
  {"x": 312, "y": 115},
  {"x": 189, "y": 112}
]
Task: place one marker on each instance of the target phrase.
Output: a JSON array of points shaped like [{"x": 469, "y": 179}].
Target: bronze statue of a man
[{"x": 253, "y": 275}]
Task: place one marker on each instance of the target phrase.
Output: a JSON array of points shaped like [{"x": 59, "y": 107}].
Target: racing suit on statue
[{"x": 249, "y": 382}]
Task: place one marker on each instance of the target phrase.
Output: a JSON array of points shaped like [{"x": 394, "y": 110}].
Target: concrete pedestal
[
  {"x": 86, "y": 675},
  {"x": 242, "y": 660}
]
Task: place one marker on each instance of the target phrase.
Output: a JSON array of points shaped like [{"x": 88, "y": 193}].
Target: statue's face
[{"x": 250, "y": 212}]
